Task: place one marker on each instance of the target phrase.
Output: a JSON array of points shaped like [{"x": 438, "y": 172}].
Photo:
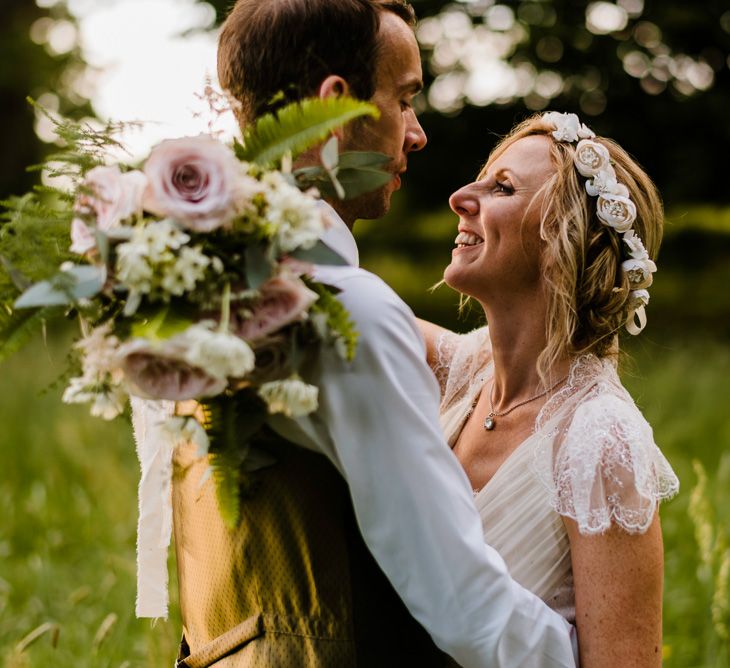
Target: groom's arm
[{"x": 412, "y": 499}]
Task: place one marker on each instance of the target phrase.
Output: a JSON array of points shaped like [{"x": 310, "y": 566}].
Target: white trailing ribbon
[
  {"x": 636, "y": 321},
  {"x": 154, "y": 527}
]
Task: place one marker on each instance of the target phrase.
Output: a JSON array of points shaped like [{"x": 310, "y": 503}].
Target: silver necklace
[{"x": 490, "y": 421}]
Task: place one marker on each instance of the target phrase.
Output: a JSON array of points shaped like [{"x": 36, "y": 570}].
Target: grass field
[{"x": 68, "y": 509}]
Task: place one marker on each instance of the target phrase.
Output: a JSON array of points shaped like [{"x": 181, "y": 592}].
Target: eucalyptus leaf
[
  {"x": 358, "y": 181},
  {"x": 350, "y": 159},
  {"x": 102, "y": 244},
  {"x": 259, "y": 267},
  {"x": 66, "y": 287},
  {"x": 320, "y": 253},
  {"x": 330, "y": 154}
]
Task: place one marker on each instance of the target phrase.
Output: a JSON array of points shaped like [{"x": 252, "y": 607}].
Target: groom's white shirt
[{"x": 377, "y": 421}]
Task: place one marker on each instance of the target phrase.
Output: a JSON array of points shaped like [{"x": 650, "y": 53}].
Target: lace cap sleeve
[
  {"x": 607, "y": 469},
  {"x": 446, "y": 346}
]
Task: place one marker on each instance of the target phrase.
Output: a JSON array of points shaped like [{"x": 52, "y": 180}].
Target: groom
[{"x": 295, "y": 585}]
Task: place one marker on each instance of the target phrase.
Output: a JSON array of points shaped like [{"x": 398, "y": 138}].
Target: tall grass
[{"x": 68, "y": 509}]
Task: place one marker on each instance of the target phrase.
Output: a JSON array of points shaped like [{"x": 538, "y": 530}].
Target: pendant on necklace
[{"x": 489, "y": 422}]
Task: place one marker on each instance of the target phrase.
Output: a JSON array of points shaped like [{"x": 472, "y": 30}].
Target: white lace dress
[{"x": 591, "y": 457}]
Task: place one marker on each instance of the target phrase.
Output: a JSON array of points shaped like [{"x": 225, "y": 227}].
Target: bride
[{"x": 564, "y": 468}]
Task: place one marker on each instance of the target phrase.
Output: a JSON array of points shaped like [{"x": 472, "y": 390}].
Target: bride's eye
[{"x": 503, "y": 187}]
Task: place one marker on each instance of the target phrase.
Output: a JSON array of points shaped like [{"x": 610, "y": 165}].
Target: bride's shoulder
[{"x": 606, "y": 468}]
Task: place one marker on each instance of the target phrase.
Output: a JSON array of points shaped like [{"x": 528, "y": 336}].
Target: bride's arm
[
  {"x": 618, "y": 596},
  {"x": 431, "y": 334}
]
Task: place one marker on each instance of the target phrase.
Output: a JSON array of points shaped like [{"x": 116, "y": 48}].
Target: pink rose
[
  {"x": 153, "y": 372},
  {"x": 283, "y": 301},
  {"x": 107, "y": 197},
  {"x": 196, "y": 181}
]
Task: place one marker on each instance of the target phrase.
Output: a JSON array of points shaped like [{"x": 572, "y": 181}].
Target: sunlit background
[{"x": 655, "y": 75}]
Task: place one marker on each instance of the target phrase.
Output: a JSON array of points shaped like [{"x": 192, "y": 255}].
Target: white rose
[
  {"x": 197, "y": 181},
  {"x": 605, "y": 182},
  {"x": 616, "y": 211},
  {"x": 636, "y": 247},
  {"x": 292, "y": 397},
  {"x": 637, "y": 299},
  {"x": 639, "y": 272},
  {"x": 221, "y": 354},
  {"x": 591, "y": 157},
  {"x": 567, "y": 127}
]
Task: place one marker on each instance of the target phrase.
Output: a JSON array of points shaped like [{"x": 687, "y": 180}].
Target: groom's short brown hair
[{"x": 275, "y": 51}]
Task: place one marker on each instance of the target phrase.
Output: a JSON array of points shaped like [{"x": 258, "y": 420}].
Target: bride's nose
[{"x": 463, "y": 202}]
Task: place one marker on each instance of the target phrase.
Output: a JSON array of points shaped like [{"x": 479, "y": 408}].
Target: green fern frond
[
  {"x": 297, "y": 127},
  {"x": 18, "y": 327},
  {"x": 339, "y": 322}
]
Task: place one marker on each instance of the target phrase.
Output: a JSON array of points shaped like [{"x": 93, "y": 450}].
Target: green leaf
[
  {"x": 330, "y": 154},
  {"x": 350, "y": 159},
  {"x": 66, "y": 287},
  {"x": 18, "y": 327},
  {"x": 162, "y": 324},
  {"x": 297, "y": 127},
  {"x": 259, "y": 267},
  {"x": 339, "y": 322},
  {"x": 320, "y": 253},
  {"x": 358, "y": 181}
]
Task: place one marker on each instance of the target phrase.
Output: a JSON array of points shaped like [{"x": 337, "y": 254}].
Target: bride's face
[{"x": 498, "y": 245}]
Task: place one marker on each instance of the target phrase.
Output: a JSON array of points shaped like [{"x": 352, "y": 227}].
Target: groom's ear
[{"x": 333, "y": 86}]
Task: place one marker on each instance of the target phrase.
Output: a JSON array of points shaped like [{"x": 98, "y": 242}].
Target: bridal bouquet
[{"x": 190, "y": 276}]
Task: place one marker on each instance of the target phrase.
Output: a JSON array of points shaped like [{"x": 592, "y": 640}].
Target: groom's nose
[{"x": 415, "y": 138}]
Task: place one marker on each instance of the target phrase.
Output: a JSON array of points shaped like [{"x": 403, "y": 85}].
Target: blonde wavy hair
[{"x": 587, "y": 292}]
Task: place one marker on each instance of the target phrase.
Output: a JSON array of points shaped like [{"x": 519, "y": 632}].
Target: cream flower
[
  {"x": 636, "y": 246},
  {"x": 221, "y": 354},
  {"x": 294, "y": 215},
  {"x": 637, "y": 299},
  {"x": 197, "y": 181},
  {"x": 605, "y": 182},
  {"x": 159, "y": 371},
  {"x": 591, "y": 157},
  {"x": 567, "y": 127},
  {"x": 292, "y": 397},
  {"x": 639, "y": 272},
  {"x": 616, "y": 211}
]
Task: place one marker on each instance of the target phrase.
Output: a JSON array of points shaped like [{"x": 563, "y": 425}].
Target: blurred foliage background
[{"x": 653, "y": 74}]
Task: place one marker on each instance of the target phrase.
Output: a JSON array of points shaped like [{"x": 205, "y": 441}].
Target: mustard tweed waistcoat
[{"x": 294, "y": 584}]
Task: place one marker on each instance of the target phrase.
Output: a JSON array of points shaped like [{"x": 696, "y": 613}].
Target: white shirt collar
[{"x": 338, "y": 236}]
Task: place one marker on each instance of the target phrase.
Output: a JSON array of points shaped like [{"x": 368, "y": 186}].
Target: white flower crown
[{"x": 614, "y": 208}]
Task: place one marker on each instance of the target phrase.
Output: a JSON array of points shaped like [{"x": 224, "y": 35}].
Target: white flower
[
  {"x": 567, "y": 127},
  {"x": 591, "y": 157},
  {"x": 292, "y": 397},
  {"x": 639, "y": 272},
  {"x": 183, "y": 429},
  {"x": 616, "y": 211},
  {"x": 110, "y": 403},
  {"x": 107, "y": 197},
  {"x": 99, "y": 350},
  {"x": 637, "y": 299},
  {"x": 187, "y": 270},
  {"x": 221, "y": 354},
  {"x": 636, "y": 247},
  {"x": 197, "y": 181},
  {"x": 605, "y": 182},
  {"x": 294, "y": 215}
]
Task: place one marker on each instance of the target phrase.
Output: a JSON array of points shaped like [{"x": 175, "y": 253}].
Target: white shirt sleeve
[{"x": 378, "y": 423}]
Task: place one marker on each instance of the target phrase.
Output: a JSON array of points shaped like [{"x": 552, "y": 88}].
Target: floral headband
[{"x": 614, "y": 208}]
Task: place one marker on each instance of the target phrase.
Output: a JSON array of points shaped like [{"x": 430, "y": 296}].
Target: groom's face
[{"x": 398, "y": 79}]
